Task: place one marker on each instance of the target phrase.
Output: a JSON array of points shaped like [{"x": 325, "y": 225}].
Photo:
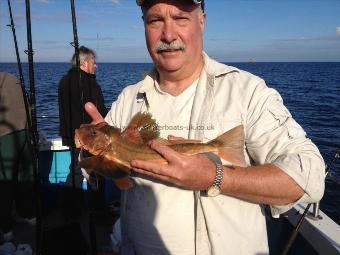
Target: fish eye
[{"x": 94, "y": 132}]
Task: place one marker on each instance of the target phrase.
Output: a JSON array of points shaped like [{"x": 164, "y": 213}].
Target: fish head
[{"x": 95, "y": 138}]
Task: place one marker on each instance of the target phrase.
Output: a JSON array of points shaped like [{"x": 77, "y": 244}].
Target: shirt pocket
[{"x": 219, "y": 123}]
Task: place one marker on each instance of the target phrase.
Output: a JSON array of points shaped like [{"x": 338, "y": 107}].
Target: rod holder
[
  {"x": 315, "y": 214},
  {"x": 316, "y": 209}
]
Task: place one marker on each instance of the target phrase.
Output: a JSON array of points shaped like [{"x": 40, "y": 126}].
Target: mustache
[{"x": 161, "y": 46}]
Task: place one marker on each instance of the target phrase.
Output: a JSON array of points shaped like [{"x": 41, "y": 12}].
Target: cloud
[
  {"x": 42, "y": 1},
  {"x": 312, "y": 39},
  {"x": 136, "y": 27},
  {"x": 98, "y": 38},
  {"x": 15, "y": 16},
  {"x": 223, "y": 40},
  {"x": 49, "y": 42},
  {"x": 108, "y": 1},
  {"x": 337, "y": 30},
  {"x": 56, "y": 17}
]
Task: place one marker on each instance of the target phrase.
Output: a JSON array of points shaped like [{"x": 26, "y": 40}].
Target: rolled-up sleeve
[{"x": 273, "y": 136}]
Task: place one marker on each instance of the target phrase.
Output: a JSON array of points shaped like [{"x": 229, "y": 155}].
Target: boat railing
[
  {"x": 324, "y": 225},
  {"x": 48, "y": 117},
  {"x": 329, "y": 174}
]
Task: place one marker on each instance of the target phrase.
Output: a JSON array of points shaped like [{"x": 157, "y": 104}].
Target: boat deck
[{"x": 62, "y": 234}]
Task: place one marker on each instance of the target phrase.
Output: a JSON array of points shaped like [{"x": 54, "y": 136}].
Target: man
[
  {"x": 72, "y": 95},
  {"x": 193, "y": 204},
  {"x": 16, "y": 170},
  {"x": 75, "y": 89}
]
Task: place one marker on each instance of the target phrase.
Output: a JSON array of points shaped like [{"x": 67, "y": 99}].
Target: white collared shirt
[{"x": 160, "y": 219}]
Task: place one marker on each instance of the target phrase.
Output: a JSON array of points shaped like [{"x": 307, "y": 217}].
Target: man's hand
[
  {"x": 92, "y": 110},
  {"x": 195, "y": 172},
  {"x": 94, "y": 114}
]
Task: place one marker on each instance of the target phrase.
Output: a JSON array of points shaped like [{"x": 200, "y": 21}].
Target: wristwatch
[{"x": 215, "y": 188}]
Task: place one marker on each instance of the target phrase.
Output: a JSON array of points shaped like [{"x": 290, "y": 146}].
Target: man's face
[
  {"x": 89, "y": 65},
  {"x": 173, "y": 31}
]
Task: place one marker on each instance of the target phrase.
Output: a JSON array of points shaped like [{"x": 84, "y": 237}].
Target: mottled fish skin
[
  {"x": 114, "y": 150},
  {"x": 125, "y": 151}
]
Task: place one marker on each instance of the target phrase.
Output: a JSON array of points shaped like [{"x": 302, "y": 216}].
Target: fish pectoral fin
[
  {"x": 132, "y": 135},
  {"x": 230, "y": 146},
  {"x": 104, "y": 167},
  {"x": 124, "y": 183},
  {"x": 141, "y": 129}
]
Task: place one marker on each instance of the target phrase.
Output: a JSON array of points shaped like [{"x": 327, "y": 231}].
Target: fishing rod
[
  {"x": 33, "y": 128},
  {"x": 30, "y": 53},
  {"x": 12, "y": 26},
  {"x": 22, "y": 81},
  {"x": 75, "y": 44}
]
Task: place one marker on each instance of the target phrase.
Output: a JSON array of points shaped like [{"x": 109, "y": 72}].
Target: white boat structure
[{"x": 320, "y": 231}]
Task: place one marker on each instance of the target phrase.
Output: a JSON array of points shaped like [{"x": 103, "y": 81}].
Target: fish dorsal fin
[{"x": 141, "y": 129}]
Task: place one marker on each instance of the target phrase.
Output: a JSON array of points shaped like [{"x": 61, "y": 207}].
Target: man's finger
[
  {"x": 172, "y": 137},
  {"x": 153, "y": 175},
  {"x": 93, "y": 112},
  {"x": 182, "y": 140},
  {"x": 165, "y": 151},
  {"x": 149, "y": 168}
]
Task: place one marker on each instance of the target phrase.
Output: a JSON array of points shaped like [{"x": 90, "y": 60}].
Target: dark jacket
[{"x": 72, "y": 99}]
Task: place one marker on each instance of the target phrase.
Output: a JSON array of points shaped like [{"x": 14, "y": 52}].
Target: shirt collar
[{"x": 211, "y": 67}]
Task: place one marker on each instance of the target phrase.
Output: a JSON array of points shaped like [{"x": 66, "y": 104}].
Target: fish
[{"x": 112, "y": 150}]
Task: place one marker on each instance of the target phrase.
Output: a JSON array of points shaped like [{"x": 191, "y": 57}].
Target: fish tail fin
[{"x": 230, "y": 146}]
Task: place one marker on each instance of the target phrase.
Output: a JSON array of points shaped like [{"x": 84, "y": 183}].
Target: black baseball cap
[{"x": 201, "y": 2}]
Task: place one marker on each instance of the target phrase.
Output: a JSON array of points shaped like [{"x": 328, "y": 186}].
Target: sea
[{"x": 311, "y": 91}]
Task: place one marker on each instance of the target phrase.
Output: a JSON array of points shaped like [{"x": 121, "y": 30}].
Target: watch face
[{"x": 213, "y": 191}]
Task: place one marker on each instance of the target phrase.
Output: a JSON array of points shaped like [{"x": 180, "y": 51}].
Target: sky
[{"x": 236, "y": 30}]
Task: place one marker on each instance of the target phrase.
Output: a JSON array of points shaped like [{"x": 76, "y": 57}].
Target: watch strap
[{"x": 219, "y": 176}]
